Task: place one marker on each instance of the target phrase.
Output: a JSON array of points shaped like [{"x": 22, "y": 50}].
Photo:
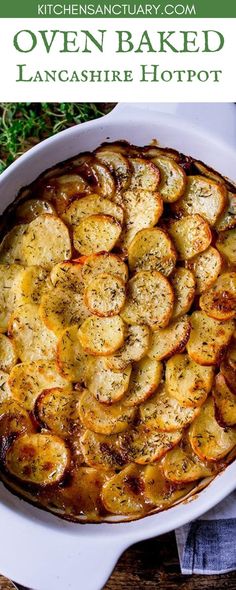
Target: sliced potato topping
[
  {"x": 57, "y": 410},
  {"x": 152, "y": 249},
  {"x": 31, "y": 208},
  {"x": 118, "y": 165},
  {"x": 105, "y": 295},
  {"x": 40, "y": 459},
  {"x": 226, "y": 244},
  {"x": 27, "y": 381},
  {"x": 91, "y": 205},
  {"x": 9, "y": 274},
  {"x": 147, "y": 445},
  {"x": 101, "y": 336},
  {"x": 143, "y": 209},
  {"x": 203, "y": 196},
  {"x": 208, "y": 439},
  {"x": 135, "y": 347},
  {"x": 228, "y": 367},
  {"x": 206, "y": 268},
  {"x": 62, "y": 188},
  {"x": 145, "y": 175},
  {"x": 219, "y": 302},
  {"x": 208, "y": 338},
  {"x": 101, "y": 418},
  {"x": 182, "y": 465},
  {"x": 11, "y": 246},
  {"x": 145, "y": 378},
  {"x": 61, "y": 308},
  {"x": 106, "y": 385},
  {"x": 150, "y": 300},
  {"x": 228, "y": 218},
  {"x": 72, "y": 361},
  {"x": 5, "y": 392},
  {"x": 153, "y": 151},
  {"x": 105, "y": 182},
  {"x": 31, "y": 284},
  {"x": 123, "y": 493},
  {"x": 96, "y": 233},
  {"x": 164, "y": 412},
  {"x": 46, "y": 241},
  {"x": 173, "y": 178},
  {"x": 8, "y": 356},
  {"x": 167, "y": 341},
  {"x": 225, "y": 402},
  {"x": 103, "y": 451},
  {"x": 97, "y": 264},
  {"x": 183, "y": 283},
  {"x": 191, "y": 235},
  {"x": 31, "y": 338},
  {"x": 14, "y": 420},
  {"x": 187, "y": 381},
  {"x": 67, "y": 276},
  {"x": 158, "y": 490}
]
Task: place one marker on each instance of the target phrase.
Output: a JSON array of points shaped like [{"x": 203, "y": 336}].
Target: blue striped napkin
[{"x": 208, "y": 545}]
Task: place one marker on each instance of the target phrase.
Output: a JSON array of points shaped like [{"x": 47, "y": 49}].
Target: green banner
[{"x": 118, "y": 9}]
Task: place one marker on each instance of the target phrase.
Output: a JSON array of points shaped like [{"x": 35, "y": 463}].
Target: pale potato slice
[
  {"x": 96, "y": 233},
  {"x": 206, "y": 267},
  {"x": 152, "y": 249},
  {"x": 46, "y": 242},
  {"x": 31, "y": 338},
  {"x": 181, "y": 465},
  {"x": 135, "y": 347},
  {"x": 71, "y": 359},
  {"x": 102, "y": 262},
  {"x": 91, "y": 205},
  {"x": 27, "y": 211},
  {"x": 208, "y": 338},
  {"x": 101, "y": 451},
  {"x": 39, "y": 459},
  {"x": 150, "y": 300},
  {"x": 187, "y": 381},
  {"x": 164, "y": 412},
  {"x": 143, "y": 208},
  {"x": 220, "y": 301},
  {"x": 28, "y": 380},
  {"x": 56, "y": 409},
  {"x": 147, "y": 445},
  {"x": 106, "y": 385},
  {"x": 226, "y": 244},
  {"x": 118, "y": 165},
  {"x": 203, "y": 196},
  {"x": 183, "y": 283},
  {"x": 191, "y": 235},
  {"x": 101, "y": 336},
  {"x": 11, "y": 245},
  {"x": 225, "y": 402},
  {"x": 61, "y": 308},
  {"x": 173, "y": 178},
  {"x": 9, "y": 274},
  {"x": 14, "y": 420},
  {"x": 123, "y": 493},
  {"x": 101, "y": 418},
  {"x": 167, "y": 341},
  {"x": 145, "y": 378},
  {"x": 105, "y": 295},
  {"x": 158, "y": 490},
  {"x": 8, "y": 356},
  {"x": 31, "y": 284},
  {"x": 228, "y": 218},
  {"x": 5, "y": 392},
  {"x": 68, "y": 276},
  {"x": 145, "y": 175},
  {"x": 208, "y": 439}
]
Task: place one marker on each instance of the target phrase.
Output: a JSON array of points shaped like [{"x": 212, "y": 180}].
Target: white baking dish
[{"x": 39, "y": 550}]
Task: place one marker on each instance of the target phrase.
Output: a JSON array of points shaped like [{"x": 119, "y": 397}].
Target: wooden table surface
[{"x": 154, "y": 565}]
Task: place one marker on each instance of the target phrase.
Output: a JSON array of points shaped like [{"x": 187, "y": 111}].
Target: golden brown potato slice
[
  {"x": 9, "y": 274},
  {"x": 31, "y": 338},
  {"x": 203, "y": 196},
  {"x": 27, "y": 381},
  {"x": 206, "y": 268},
  {"x": 11, "y": 246},
  {"x": 61, "y": 189},
  {"x": 209, "y": 172},
  {"x": 39, "y": 459},
  {"x": 96, "y": 264},
  {"x": 101, "y": 451},
  {"x": 143, "y": 209},
  {"x": 123, "y": 493},
  {"x": 225, "y": 402},
  {"x": 150, "y": 300},
  {"x": 101, "y": 336},
  {"x": 228, "y": 367},
  {"x": 5, "y": 392},
  {"x": 145, "y": 378},
  {"x": 31, "y": 284},
  {"x": 57, "y": 410},
  {"x": 164, "y": 412},
  {"x": 228, "y": 218},
  {"x": 208, "y": 338},
  {"x": 173, "y": 178},
  {"x": 106, "y": 184},
  {"x": 187, "y": 381},
  {"x": 147, "y": 445},
  {"x": 68, "y": 276},
  {"x": 101, "y": 418},
  {"x": 145, "y": 175},
  {"x": 118, "y": 166},
  {"x": 14, "y": 420},
  {"x": 183, "y": 283},
  {"x": 152, "y": 249},
  {"x": 106, "y": 385},
  {"x": 61, "y": 308},
  {"x": 96, "y": 233},
  {"x": 220, "y": 301},
  {"x": 91, "y": 205},
  {"x": 167, "y": 341},
  {"x": 71, "y": 359},
  {"x": 182, "y": 465},
  {"x": 105, "y": 295},
  {"x": 135, "y": 347},
  {"x": 46, "y": 242},
  {"x": 158, "y": 490},
  {"x": 8, "y": 356},
  {"x": 191, "y": 235},
  {"x": 225, "y": 243},
  {"x": 208, "y": 439},
  {"x": 154, "y": 151},
  {"x": 27, "y": 211}
]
